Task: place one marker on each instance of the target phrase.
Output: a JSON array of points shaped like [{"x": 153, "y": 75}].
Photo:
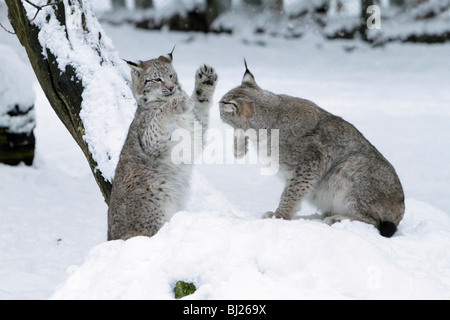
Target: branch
[
  {"x": 4, "y": 28},
  {"x": 39, "y": 8}
]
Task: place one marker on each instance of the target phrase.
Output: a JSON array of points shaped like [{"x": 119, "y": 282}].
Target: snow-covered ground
[{"x": 53, "y": 218}]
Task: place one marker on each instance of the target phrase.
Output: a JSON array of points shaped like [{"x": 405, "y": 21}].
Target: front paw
[
  {"x": 186, "y": 106},
  {"x": 276, "y": 215},
  {"x": 182, "y": 104},
  {"x": 206, "y": 76}
]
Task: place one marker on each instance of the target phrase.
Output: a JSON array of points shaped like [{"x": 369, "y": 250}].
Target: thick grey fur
[
  {"x": 323, "y": 158},
  {"x": 148, "y": 188}
]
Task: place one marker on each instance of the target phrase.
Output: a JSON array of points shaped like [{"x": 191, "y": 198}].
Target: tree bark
[
  {"x": 144, "y": 4},
  {"x": 118, "y": 4},
  {"x": 364, "y": 16},
  {"x": 397, "y": 3},
  {"x": 254, "y": 2},
  {"x": 63, "y": 89},
  {"x": 214, "y": 8}
]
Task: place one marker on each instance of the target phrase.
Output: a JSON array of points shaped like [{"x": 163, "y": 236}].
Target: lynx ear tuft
[
  {"x": 168, "y": 58},
  {"x": 248, "y": 76},
  {"x": 135, "y": 66}
]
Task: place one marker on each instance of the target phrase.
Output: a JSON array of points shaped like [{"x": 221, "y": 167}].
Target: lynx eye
[
  {"x": 229, "y": 107},
  {"x": 156, "y": 80}
]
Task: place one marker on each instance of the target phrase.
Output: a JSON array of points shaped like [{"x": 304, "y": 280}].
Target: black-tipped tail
[{"x": 387, "y": 229}]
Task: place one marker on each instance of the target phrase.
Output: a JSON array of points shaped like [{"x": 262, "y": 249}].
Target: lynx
[
  {"x": 323, "y": 158},
  {"x": 148, "y": 188}
]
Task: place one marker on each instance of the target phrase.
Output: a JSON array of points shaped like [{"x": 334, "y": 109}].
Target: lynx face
[
  {"x": 237, "y": 106},
  {"x": 154, "y": 80}
]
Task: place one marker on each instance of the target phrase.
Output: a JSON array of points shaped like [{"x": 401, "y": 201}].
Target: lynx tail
[{"x": 387, "y": 229}]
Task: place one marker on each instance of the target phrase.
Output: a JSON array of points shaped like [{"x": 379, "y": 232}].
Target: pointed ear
[
  {"x": 246, "y": 109},
  {"x": 249, "y": 78},
  {"x": 135, "y": 66},
  {"x": 168, "y": 58}
]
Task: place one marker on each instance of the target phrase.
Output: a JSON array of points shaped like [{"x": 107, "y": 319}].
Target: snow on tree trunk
[
  {"x": 82, "y": 76},
  {"x": 17, "y": 116}
]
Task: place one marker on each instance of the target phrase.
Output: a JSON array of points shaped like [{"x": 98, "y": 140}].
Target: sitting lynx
[
  {"x": 148, "y": 188},
  {"x": 324, "y": 159}
]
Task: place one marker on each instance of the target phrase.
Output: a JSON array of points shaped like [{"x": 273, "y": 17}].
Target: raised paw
[{"x": 206, "y": 76}]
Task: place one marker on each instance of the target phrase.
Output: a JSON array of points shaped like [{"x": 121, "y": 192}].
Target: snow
[
  {"x": 414, "y": 22},
  {"x": 230, "y": 257},
  {"x": 16, "y": 93},
  {"x": 53, "y": 217}
]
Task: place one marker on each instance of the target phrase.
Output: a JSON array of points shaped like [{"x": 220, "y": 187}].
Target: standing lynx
[
  {"x": 324, "y": 159},
  {"x": 148, "y": 188}
]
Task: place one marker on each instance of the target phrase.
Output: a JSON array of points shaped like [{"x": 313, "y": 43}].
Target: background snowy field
[{"x": 53, "y": 218}]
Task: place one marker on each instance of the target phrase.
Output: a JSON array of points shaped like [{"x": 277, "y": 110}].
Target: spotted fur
[
  {"x": 323, "y": 158},
  {"x": 148, "y": 188}
]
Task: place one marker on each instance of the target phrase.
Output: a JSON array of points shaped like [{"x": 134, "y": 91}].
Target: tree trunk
[
  {"x": 63, "y": 89},
  {"x": 397, "y": 3},
  {"x": 144, "y": 4},
  {"x": 225, "y": 5},
  {"x": 364, "y": 16},
  {"x": 214, "y": 8},
  {"x": 118, "y": 4},
  {"x": 253, "y": 2}
]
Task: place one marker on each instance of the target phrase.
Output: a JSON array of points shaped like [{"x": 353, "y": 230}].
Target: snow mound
[{"x": 232, "y": 257}]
